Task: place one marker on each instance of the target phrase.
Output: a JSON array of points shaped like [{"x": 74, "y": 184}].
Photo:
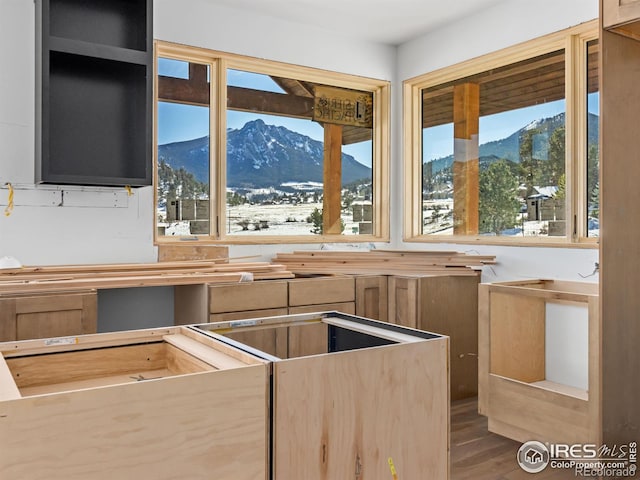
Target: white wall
[
  {"x": 39, "y": 234},
  {"x": 498, "y": 27}
]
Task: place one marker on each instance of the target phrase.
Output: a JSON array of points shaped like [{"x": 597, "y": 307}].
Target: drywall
[
  {"x": 495, "y": 28},
  {"x": 53, "y": 225},
  {"x": 44, "y": 230}
]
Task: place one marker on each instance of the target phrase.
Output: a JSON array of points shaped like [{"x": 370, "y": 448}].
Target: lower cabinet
[
  {"x": 186, "y": 402},
  {"x": 148, "y": 404},
  {"x": 47, "y": 315},
  {"x": 342, "y": 409},
  {"x": 447, "y": 305}
]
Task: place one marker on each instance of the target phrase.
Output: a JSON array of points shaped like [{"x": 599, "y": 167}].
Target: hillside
[
  {"x": 509, "y": 147},
  {"x": 260, "y": 156}
]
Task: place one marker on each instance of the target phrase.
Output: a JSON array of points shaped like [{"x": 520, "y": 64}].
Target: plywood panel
[
  {"x": 309, "y": 339},
  {"x": 539, "y": 414},
  {"x": 269, "y": 340},
  {"x": 620, "y": 302},
  {"x": 517, "y": 333},
  {"x": 200, "y": 426},
  {"x": 343, "y": 415},
  {"x": 172, "y": 253}
]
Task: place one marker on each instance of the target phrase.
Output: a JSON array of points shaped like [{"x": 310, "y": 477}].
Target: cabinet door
[
  {"x": 448, "y": 305},
  {"x": 403, "y": 301},
  {"x": 371, "y": 297},
  {"x": 620, "y": 12},
  {"x": 44, "y": 316}
]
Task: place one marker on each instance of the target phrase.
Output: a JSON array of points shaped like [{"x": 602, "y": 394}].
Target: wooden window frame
[
  {"x": 219, "y": 63},
  {"x": 573, "y": 41}
]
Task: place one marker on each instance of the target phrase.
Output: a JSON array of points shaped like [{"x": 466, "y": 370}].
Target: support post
[
  {"x": 332, "y": 200},
  {"x": 466, "y": 171}
]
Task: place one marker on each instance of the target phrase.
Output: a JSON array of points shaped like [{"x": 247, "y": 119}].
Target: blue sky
[
  {"x": 438, "y": 141},
  {"x": 185, "y": 122},
  {"x": 178, "y": 122}
]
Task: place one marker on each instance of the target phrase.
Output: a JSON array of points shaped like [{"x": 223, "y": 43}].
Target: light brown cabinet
[
  {"x": 361, "y": 393},
  {"x": 515, "y": 394},
  {"x": 447, "y": 305},
  {"x": 82, "y": 411},
  {"x": 350, "y": 393},
  {"x": 622, "y": 16},
  {"x": 47, "y": 315},
  {"x": 619, "y": 259}
]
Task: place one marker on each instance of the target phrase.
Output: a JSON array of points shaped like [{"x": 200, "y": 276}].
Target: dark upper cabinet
[{"x": 94, "y": 82}]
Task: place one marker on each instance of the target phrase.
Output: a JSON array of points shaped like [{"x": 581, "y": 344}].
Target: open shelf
[
  {"x": 527, "y": 388},
  {"x": 94, "y": 92},
  {"x": 119, "y": 23},
  {"x": 96, "y": 110}
]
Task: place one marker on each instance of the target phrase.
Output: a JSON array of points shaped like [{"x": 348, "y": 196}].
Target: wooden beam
[
  {"x": 294, "y": 87},
  {"x": 332, "y": 200},
  {"x": 466, "y": 116},
  {"x": 180, "y": 90},
  {"x": 259, "y": 101}
]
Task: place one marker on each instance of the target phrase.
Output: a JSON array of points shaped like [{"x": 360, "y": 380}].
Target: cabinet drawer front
[
  {"x": 227, "y": 316},
  {"x": 313, "y": 291},
  {"x": 345, "y": 307},
  {"x": 52, "y": 303},
  {"x": 248, "y": 296}
]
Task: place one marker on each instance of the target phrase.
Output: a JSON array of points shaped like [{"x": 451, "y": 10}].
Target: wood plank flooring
[{"x": 477, "y": 454}]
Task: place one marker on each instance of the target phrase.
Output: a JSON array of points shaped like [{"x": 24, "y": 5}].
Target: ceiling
[{"x": 390, "y": 22}]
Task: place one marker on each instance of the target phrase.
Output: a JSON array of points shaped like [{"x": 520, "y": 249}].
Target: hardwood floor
[{"x": 477, "y": 454}]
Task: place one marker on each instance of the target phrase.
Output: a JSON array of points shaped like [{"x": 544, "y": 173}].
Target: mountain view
[
  {"x": 509, "y": 148},
  {"x": 261, "y": 156}
]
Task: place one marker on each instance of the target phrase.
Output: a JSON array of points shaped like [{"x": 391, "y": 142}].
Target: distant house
[{"x": 544, "y": 206}]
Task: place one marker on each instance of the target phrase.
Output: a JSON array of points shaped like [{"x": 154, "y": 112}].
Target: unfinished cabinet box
[
  {"x": 447, "y": 305},
  {"x": 23, "y": 317},
  {"x": 149, "y": 404},
  {"x": 518, "y": 390},
  {"x": 349, "y": 393}
]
